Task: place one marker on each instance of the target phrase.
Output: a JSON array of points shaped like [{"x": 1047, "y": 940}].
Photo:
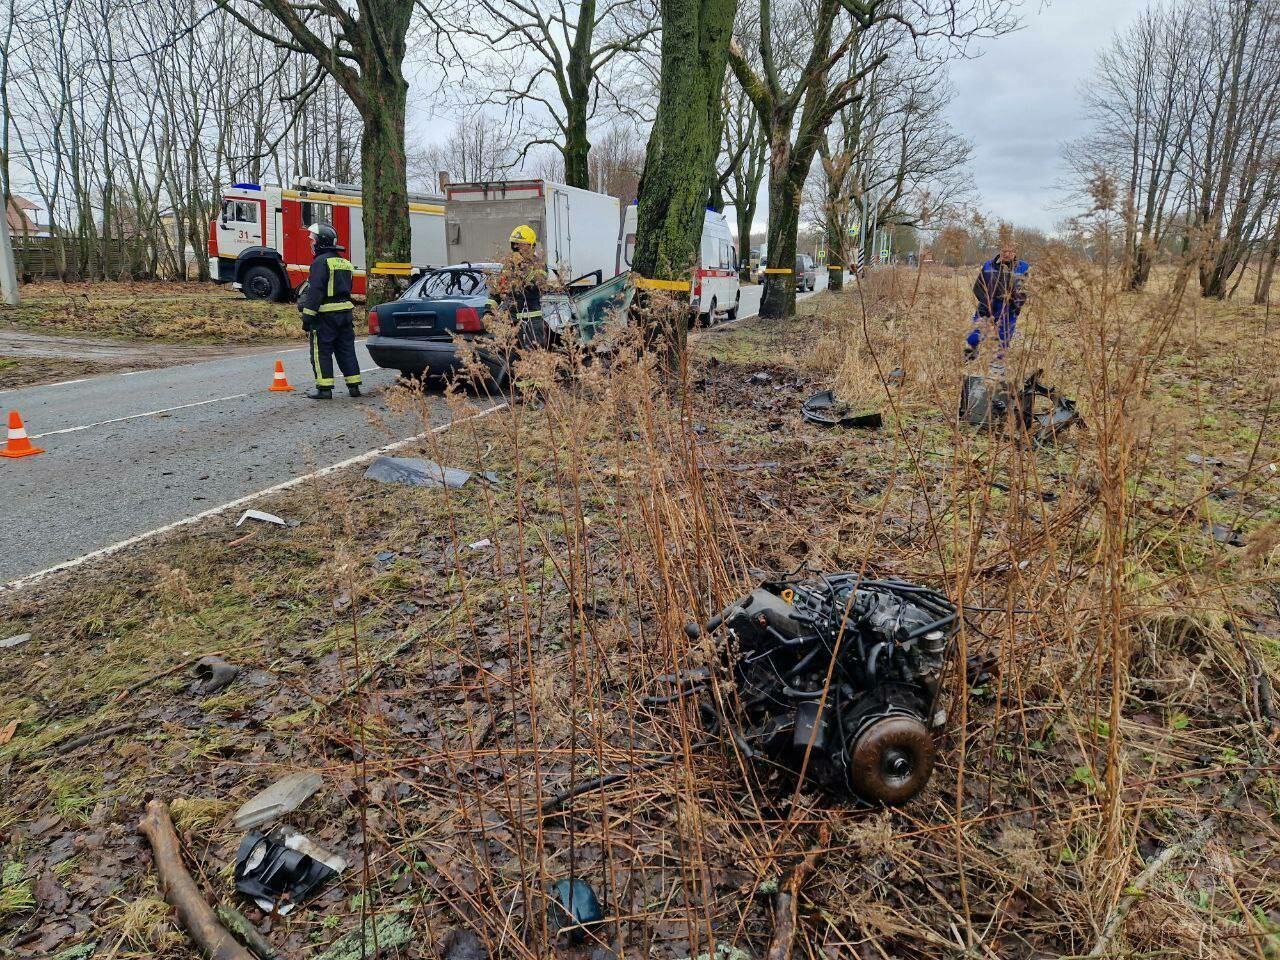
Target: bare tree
[
  {"x": 482, "y": 148},
  {"x": 810, "y": 70},
  {"x": 556, "y": 65}
]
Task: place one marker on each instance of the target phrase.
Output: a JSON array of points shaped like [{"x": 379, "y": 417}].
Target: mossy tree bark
[
  {"x": 685, "y": 139},
  {"x": 363, "y": 50}
]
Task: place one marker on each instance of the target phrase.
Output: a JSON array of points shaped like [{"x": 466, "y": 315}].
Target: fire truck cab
[{"x": 259, "y": 241}]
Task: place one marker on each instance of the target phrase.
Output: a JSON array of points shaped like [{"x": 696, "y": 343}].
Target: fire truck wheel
[{"x": 262, "y": 283}]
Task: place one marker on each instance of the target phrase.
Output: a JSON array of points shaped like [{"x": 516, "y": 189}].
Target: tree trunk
[
  {"x": 684, "y": 139},
  {"x": 779, "y": 297},
  {"x": 577, "y": 147},
  {"x": 1262, "y": 290},
  {"x": 384, "y": 183},
  {"x": 1140, "y": 267}
]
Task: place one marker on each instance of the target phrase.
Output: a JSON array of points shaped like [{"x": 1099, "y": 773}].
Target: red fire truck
[{"x": 259, "y": 242}]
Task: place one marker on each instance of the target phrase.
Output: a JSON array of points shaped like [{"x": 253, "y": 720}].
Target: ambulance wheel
[
  {"x": 733, "y": 312},
  {"x": 263, "y": 283},
  {"x": 711, "y": 313}
]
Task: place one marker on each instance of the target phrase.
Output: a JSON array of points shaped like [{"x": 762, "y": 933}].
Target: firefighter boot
[
  {"x": 320, "y": 393},
  {"x": 353, "y": 389}
]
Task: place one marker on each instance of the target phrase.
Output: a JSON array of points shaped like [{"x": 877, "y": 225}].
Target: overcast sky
[{"x": 1019, "y": 102}]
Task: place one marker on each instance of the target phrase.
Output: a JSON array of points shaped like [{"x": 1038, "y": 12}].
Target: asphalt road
[{"x": 129, "y": 453}]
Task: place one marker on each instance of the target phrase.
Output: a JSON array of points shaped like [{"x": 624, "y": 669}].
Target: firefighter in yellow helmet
[{"x": 520, "y": 286}]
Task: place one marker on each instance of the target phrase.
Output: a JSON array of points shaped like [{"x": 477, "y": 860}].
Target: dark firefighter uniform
[
  {"x": 327, "y": 317},
  {"x": 519, "y": 286}
]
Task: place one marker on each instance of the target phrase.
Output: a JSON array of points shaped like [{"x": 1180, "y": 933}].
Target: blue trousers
[{"x": 1005, "y": 324}]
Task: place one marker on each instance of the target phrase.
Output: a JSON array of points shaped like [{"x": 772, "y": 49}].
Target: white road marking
[
  {"x": 135, "y": 416},
  {"x": 60, "y": 383},
  {"x": 32, "y": 578}
]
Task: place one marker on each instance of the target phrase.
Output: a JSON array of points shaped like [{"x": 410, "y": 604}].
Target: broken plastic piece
[
  {"x": 480, "y": 544},
  {"x": 260, "y": 515},
  {"x": 760, "y": 379},
  {"x": 15, "y": 640},
  {"x": 574, "y": 908},
  {"x": 416, "y": 473},
  {"x": 1224, "y": 534},
  {"x": 826, "y": 411},
  {"x": 282, "y": 869},
  {"x": 213, "y": 674},
  {"x": 278, "y": 799}
]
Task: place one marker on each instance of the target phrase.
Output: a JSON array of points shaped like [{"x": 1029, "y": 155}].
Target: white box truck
[{"x": 577, "y": 229}]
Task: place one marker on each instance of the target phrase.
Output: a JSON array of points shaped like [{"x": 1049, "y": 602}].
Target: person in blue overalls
[{"x": 1001, "y": 292}]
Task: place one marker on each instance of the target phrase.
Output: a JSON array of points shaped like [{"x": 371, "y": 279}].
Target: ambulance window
[{"x": 316, "y": 213}]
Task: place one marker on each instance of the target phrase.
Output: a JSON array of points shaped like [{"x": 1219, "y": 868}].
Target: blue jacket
[{"x": 1001, "y": 292}]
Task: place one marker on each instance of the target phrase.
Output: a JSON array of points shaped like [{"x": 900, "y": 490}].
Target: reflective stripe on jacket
[{"x": 328, "y": 286}]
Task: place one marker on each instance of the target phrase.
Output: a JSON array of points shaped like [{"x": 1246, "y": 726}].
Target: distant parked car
[
  {"x": 806, "y": 273},
  {"x": 419, "y": 333}
]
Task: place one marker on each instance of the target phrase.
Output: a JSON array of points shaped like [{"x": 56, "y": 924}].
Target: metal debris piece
[
  {"x": 1204, "y": 461},
  {"x": 896, "y": 376},
  {"x": 837, "y": 675},
  {"x": 760, "y": 379},
  {"x": 212, "y": 674},
  {"x": 262, "y": 516},
  {"x": 986, "y": 402},
  {"x": 1224, "y": 534},
  {"x": 574, "y": 908},
  {"x": 16, "y": 640},
  {"x": 416, "y": 473},
  {"x": 282, "y": 869},
  {"x": 283, "y": 796},
  {"x": 826, "y": 411}
]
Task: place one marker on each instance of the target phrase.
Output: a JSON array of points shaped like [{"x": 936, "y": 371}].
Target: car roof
[{"x": 483, "y": 265}]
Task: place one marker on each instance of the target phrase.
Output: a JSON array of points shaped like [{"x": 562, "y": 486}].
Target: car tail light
[
  {"x": 375, "y": 325},
  {"x": 466, "y": 320}
]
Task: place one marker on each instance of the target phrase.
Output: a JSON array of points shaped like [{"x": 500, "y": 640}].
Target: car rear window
[{"x": 454, "y": 283}]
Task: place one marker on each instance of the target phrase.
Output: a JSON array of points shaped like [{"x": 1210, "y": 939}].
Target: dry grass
[
  {"x": 185, "y": 312},
  {"x": 1117, "y": 690}
]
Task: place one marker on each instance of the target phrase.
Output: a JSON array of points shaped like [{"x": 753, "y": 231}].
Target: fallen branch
[
  {"x": 195, "y": 915},
  {"x": 1169, "y": 855},
  {"x": 67, "y": 746},
  {"x": 786, "y": 902}
]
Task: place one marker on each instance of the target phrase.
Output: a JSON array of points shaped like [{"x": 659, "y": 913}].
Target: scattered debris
[
  {"x": 16, "y": 640},
  {"x": 7, "y": 732},
  {"x": 865, "y": 732},
  {"x": 212, "y": 674},
  {"x": 994, "y": 404},
  {"x": 574, "y": 908},
  {"x": 262, "y": 516},
  {"x": 480, "y": 544},
  {"x": 417, "y": 473},
  {"x": 459, "y": 944},
  {"x": 1204, "y": 461},
  {"x": 239, "y": 927},
  {"x": 281, "y": 869},
  {"x": 760, "y": 379},
  {"x": 180, "y": 891},
  {"x": 283, "y": 796},
  {"x": 897, "y": 376},
  {"x": 386, "y": 556},
  {"x": 1224, "y": 534},
  {"x": 826, "y": 411},
  {"x": 382, "y": 936}
]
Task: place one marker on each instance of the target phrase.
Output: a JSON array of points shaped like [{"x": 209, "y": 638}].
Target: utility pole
[{"x": 8, "y": 270}]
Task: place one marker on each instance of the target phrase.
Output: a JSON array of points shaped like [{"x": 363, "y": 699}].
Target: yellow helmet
[{"x": 524, "y": 234}]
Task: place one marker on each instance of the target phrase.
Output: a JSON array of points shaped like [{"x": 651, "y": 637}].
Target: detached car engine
[{"x": 881, "y": 644}]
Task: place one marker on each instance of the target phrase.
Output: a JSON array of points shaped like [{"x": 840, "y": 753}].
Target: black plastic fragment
[{"x": 826, "y": 411}]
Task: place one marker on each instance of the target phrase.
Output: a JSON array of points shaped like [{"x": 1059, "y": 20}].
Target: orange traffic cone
[
  {"x": 18, "y": 445},
  {"x": 281, "y": 383}
]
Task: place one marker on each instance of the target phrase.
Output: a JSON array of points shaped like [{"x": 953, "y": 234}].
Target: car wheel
[
  {"x": 733, "y": 313},
  {"x": 263, "y": 283}
]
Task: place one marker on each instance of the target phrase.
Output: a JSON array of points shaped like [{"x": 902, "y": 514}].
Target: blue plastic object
[{"x": 575, "y": 905}]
